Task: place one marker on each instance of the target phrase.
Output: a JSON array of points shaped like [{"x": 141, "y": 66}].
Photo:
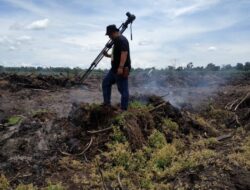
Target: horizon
[{"x": 241, "y": 66}]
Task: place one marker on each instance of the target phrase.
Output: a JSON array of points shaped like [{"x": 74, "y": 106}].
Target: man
[{"x": 120, "y": 67}]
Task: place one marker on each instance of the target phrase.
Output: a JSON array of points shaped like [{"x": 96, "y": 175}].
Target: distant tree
[
  {"x": 171, "y": 68},
  {"x": 76, "y": 70},
  {"x": 179, "y": 68},
  {"x": 1, "y": 68},
  {"x": 198, "y": 68},
  {"x": 239, "y": 66},
  {"x": 39, "y": 69},
  {"x": 137, "y": 70},
  {"x": 247, "y": 66},
  {"x": 212, "y": 67},
  {"x": 190, "y": 65},
  {"x": 227, "y": 67}
]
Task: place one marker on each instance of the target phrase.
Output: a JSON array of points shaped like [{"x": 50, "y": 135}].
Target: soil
[{"x": 60, "y": 119}]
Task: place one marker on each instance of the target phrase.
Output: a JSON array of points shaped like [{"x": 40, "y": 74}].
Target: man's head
[{"x": 112, "y": 31}]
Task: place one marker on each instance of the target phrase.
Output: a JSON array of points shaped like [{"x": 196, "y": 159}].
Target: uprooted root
[
  {"x": 239, "y": 103},
  {"x": 241, "y": 109}
]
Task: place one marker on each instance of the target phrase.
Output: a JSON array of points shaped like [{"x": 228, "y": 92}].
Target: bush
[
  {"x": 119, "y": 154},
  {"x": 241, "y": 158},
  {"x": 137, "y": 105},
  {"x": 4, "y": 183},
  {"x": 164, "y": 157},
  {"x": 55, "y": 187},
  {"x": 118, "y": 135},
  {"x": 157, "y": 139},
  {"x": 173, "y": 126},
  {"x": 26, "y": 187}
]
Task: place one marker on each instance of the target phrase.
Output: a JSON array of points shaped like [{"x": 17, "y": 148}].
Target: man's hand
[
  {"x": 106, "y": 54},
  {"x": 120, "y": 71}
]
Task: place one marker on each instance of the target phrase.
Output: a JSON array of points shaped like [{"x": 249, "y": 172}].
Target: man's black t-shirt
[{"x": 120, "y": 44}]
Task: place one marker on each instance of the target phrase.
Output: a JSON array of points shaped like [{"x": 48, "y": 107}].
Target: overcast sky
[{"x": 71, "y": 33}]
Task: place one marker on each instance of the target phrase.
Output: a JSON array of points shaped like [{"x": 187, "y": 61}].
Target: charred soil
[{"x": 49, "y": 140}]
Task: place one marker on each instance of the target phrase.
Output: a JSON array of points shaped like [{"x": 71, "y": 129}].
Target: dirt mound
[
  {"x": 95, "y": 138},
  {"x": 32, "y": 145},
  {"x": 31, "y": 149},
  {"x": 91, "y": 117},
  {"x": 138, "y": 124}
]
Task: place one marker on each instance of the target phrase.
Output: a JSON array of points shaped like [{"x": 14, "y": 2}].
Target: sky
[{"x": 71, "y": 33}]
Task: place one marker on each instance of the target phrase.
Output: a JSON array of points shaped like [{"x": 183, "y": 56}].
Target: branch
[
  {"x": 160, "y": 105},
  {"x": 222, "y": 137},
  {"x": 103, "y": 182},
  {"x": 231, "y": 104},
  {"x": 100, "y": 131},
  {"x": 88, "y": 146},
  {"x": 237, "y": 120},
  {"x": 84, "y": 150},
  {"x": 119, "y": 181},
  {"x": 236, "y": 107}
]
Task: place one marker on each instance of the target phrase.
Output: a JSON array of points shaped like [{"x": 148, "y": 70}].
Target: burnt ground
[{"x": 189, "y": 132}]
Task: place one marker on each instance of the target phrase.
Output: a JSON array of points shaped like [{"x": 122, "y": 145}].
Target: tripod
[{"x": 108, "y": 45}]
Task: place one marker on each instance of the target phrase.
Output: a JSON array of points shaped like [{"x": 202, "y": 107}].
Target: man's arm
[
  {"x": 123, "y": 58},
  {"x": 124, "y": 55}
]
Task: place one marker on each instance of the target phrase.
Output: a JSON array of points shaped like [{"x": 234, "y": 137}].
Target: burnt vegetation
[{"x": 186, "y": 128}]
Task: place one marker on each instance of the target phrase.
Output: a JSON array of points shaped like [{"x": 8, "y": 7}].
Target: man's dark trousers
[{"x": 122, "y": 85}]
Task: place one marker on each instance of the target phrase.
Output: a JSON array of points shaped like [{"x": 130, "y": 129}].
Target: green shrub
[
  {"x": 119, "y": 154},
  {"x": 55, "y": 187},
  {"x": 206, "y": 143},
  {"x": 118, "y": 135},
  {"x": 171, "y": 125},
  {"x": 241, "y": 158},
  {"x": 163, "y": 157},
  {"x": 120, "y": 119},
  {"x": 26, "y": 187},
  {"x": 138, "y": 105},
  {"x": 14, "y": 120},
  {"x": 146, "y": 183},
  {"x": 157, "y": 139},
  {"x": 4, "y": 183},
  {"x": 189, "y": 160}
]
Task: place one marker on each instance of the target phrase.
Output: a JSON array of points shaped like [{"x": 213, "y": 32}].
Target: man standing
[{"x": 120, "y": 67}]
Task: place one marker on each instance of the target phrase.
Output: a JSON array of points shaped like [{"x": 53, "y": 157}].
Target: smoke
[{"x": 181, "y": 89}]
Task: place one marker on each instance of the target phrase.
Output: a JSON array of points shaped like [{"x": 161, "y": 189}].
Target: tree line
[{"x": 77, "y": 70}]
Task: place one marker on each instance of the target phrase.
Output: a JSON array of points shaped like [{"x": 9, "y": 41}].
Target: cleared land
[{"x": 186, "y": 130}]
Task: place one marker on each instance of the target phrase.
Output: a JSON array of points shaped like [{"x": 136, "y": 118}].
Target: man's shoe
[{"x": 105, "y": 105}]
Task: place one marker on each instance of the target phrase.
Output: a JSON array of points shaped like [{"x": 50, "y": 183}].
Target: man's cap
[{"x": 111, "y": 28}]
